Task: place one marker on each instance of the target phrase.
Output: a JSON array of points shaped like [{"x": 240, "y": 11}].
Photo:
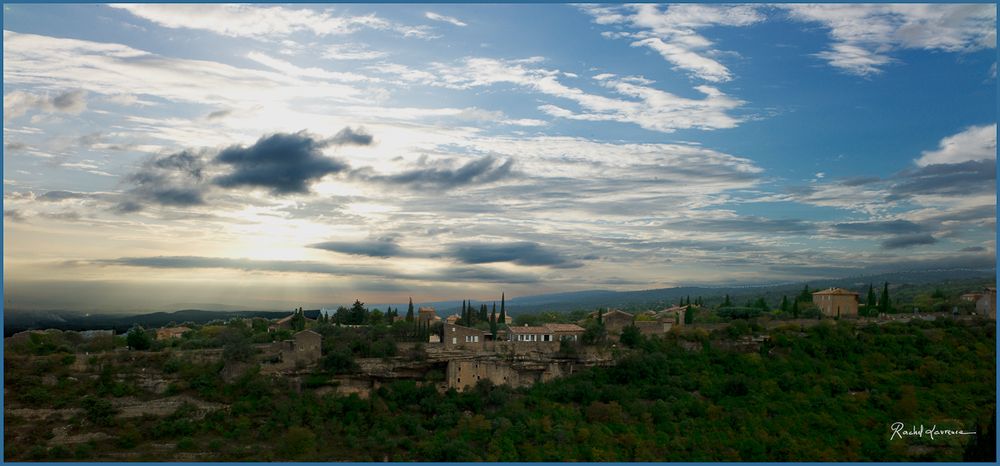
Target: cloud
[
  {"x": 18, "y": 103},
  {"x": 956, "y": 179},
  {"x": 521, "y": 253},
  {"x": 672, "y": 32},
  {"x": 864, "y": 34},
  {"x": 449, "y": 274},
  {"x": 973, "y": 249},
  {"x": 219, "y": 114},
  {"x": 112, "y": 69},
  {"x": 973, "y": 143},
  {"x": 59, "y": 196},
  {"x": 262, "y": 22},
  {"x": 877, "y": 228},
  {"x": 175, "y": 180},
  {"x": 351, "y": 52},
  {"x": 481, "y": 170},
  {"x": 447, "y": 19},
  {"x": 381, "y": 247},
  {"x": 348, "y": 136},
  {"x": 905, "y": 241},
  {"x": 638, "y": 102},
  {"x": 13, "y": 215},
  {"x": 283, "y": 163}
]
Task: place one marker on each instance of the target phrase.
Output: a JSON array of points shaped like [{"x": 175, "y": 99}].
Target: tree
[
  {"x": 358, "y": 313},
  {"x": 983, "y": 447},
  {"x": 688, "y": 316},
  {"x": 784, "y": 303},
  {"x": 138, "y": 339},
  {"x": 483, "y": 313},
  {"x": 503, "y": 313},
  {"x": 871, "y": 301},
  {"x": 236, "y": 346},
  {"x": 727, "y": 302},
  {"x": 409, "y": 312},
  {"x": 630, "y": 336},
  {"x": 805, "y": 296},
  {"x": 298, "y": 320},
  {"x": 884, "y": 302},
  {"x": 795, "y": 309},
  {"x": 600, "y": 316}
]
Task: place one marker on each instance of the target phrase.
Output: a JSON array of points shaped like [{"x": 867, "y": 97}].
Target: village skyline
[{"x": 261, "y": 155}]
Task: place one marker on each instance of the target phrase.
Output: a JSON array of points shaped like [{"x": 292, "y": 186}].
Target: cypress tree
[
  {"x": 870, "y": 302},
  {"x": 493, "y": 316},
  {"x": 795, "y": 309},
  {"x": 784, "y": 303},
  {"x": 884, "y": 302},
  {"x": 688, "y": 316},
  {"x": 727, "y": 302},
  {"x": 409, "y": 312},
  {"x": 503, "y": 312}
]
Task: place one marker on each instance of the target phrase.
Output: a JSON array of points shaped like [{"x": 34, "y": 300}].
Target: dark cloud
[
  {"x": 283, "y": 163},
  {"x": 218, "y": 114},
  {"x": 15, "y": 146},
  {"x": 454, "y": 274},
  {"x": 57, "y": 196},
  {"x": 521, "y": 253},
  {"x": 891, "y": 227},
  {"x": 956, "y": 179},
  {"x": 905, "y": 241},
  {"x": 174, "y": 180},
  {"x": 348, "y": 136},
  {"x": 383, "y": 247},
  {"x": 745, "y": 225},
  {"x": 71, "y": 101},
  {"x": 973, "y": 249},
  {"x": 14, "y": 215},
  {"x": 486, "y": 169}
]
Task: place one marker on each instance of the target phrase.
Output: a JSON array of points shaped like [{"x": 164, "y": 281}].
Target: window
[
  {"x": 454, "y": 340},
  {"x": 475, "y": 339},
  {"x": 453, "y": 329}
]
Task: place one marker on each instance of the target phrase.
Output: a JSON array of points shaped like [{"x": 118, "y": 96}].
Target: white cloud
[
  {"x": 263, "y": 21},
  {"x": 447, "y": 19},
  {"x": 18, "y": 103},
  {"x": 351, "y": 52},
  {"x": 311, "y": 72},
  {"x": 639, "y": 104},
  {"x": 112, "y": 69},
  {"x": 864, "y": 34},
  {"x": 974, "y": 143},
  {"x": 673, "y": 32}
]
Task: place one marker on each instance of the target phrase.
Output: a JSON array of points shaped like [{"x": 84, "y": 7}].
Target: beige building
[
  {"x": 167, "y": 333},
  {"x": 457, "y": 337},
  {"x": 545, "y": 333},
  {"x": 427, "y": 314},
  {"x": 836, "y": 302}
]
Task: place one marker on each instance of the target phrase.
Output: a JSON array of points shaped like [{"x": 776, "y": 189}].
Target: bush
[
  {"x": 297, "y": 442},
  {"x": 99, "y": 411}
]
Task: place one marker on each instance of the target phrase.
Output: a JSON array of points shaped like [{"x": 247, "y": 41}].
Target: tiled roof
[
  {"x": 529, "y": 330},
  {"x": 836, "y": 291},
  {"x": 564, "y": 327}
]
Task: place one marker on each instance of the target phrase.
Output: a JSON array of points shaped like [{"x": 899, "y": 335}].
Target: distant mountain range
[{"x": 15, "y": 321}]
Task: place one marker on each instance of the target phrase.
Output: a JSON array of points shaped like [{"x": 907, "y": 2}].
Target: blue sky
[{"x": 277, "y": 155}]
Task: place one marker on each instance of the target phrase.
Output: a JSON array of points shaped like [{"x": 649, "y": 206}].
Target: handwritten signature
[{"x": 899, "y": 432}]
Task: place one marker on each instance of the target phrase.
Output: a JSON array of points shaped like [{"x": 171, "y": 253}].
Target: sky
[{"x": 272, "y": 156}]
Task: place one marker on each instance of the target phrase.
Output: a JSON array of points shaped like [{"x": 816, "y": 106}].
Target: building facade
[
  {"x": 457, "y": 337},
  {"x": 836, "y": 302}
]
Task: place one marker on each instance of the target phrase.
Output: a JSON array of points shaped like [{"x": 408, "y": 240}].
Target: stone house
[
  {"x": 457, "y": 337},
  {"x": 836, "y": 302},
  {"x": 305, "y": 348},
  {"x": 615, "y": 320},
  {"x": 545, "y": 333},
  {"x": 987, "y": 303}
]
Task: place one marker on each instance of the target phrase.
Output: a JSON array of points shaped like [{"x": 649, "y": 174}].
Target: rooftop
[{"x": 835, "y": 291}]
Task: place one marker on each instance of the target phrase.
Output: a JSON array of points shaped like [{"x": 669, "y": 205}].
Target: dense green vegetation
[{"x": 828, "y": 392}]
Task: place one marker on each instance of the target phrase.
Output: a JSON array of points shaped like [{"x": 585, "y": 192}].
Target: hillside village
[{"x": 148, "y": 376}]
